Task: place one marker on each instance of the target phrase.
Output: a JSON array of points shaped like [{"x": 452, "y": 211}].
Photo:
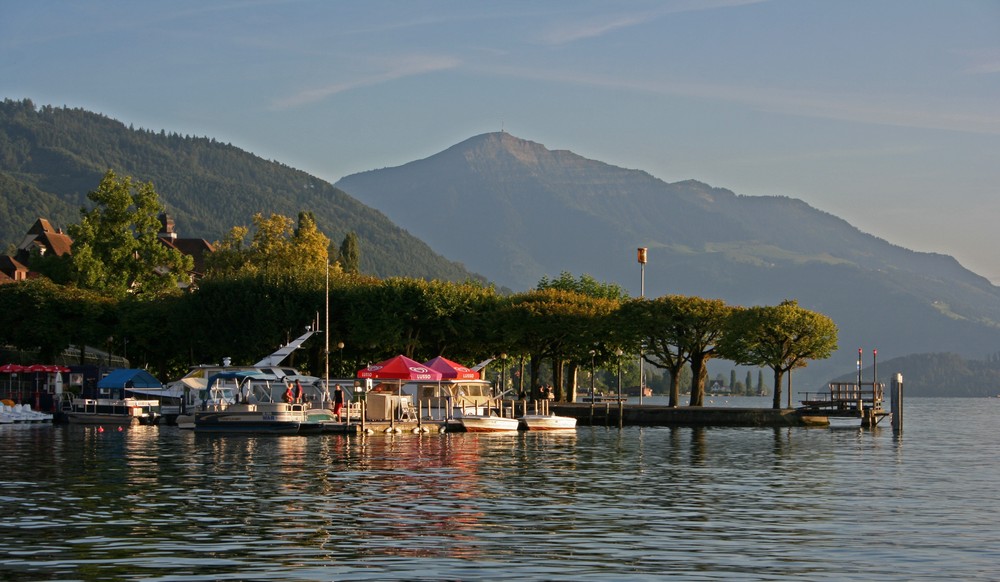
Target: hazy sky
[{"x": 883, "y": 112}]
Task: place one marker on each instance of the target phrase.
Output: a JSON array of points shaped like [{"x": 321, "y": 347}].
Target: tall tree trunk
[
  {"x": 698, "y": 374},
  {"x": 557, "y": 377},
  {"x": 533, "y": 364},
  {"x": 778, "y": 374},
  {"x": 675, "y": 385},
  {"x": 571, "y": 378}
]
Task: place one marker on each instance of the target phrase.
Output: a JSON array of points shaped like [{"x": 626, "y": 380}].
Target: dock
[
  {"x": 846, "y": 400},
  {"x": 620, "y": 414}
]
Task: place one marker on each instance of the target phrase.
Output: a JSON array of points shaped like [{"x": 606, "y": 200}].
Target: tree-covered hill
[
  {"x": 50, "y": 158},
  {"x": 938, "y": 375}
]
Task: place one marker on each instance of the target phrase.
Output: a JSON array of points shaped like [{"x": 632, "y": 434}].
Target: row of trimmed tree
[{"x": 263, "y": 287}]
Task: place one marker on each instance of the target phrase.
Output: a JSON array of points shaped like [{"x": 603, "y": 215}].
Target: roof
[
  {"x": 139, "y": 378},
  {"x": 197, "y": 248},
  {"x": 44, "y": 238},
  {"x": 12, "y": 269}
]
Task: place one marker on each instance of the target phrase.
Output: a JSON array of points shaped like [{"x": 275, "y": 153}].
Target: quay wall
[{"x": 601, "y": 414}]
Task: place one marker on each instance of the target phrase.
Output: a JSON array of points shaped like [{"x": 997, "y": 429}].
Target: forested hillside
[
  {"x": 938, "y": 374},
  {"x": 51, "y": 157}
]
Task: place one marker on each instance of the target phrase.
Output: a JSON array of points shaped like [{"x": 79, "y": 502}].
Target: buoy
[
  {"x": 416, "y": 430},
  {"x": 369, "y": 431},
  {"x": 100, "y": 429},
  {"x": 120, "y": 429}
]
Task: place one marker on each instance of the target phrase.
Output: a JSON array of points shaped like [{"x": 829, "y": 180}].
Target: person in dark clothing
[{"x": 338, "y": 401}]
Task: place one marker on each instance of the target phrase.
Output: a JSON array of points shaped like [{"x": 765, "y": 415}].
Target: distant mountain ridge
[
  {"x": 516, "y": 211},
  {"x": 50, "y": 158}
]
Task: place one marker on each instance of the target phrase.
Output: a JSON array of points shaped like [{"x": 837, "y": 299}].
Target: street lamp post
[
  {"x": 593, "y": 353},
  {"x": 642, "y": 294},
  {"x": 503, "y": 374},
  {"x": 618, "y": 358},
  {"x": 621, "y": 406}
]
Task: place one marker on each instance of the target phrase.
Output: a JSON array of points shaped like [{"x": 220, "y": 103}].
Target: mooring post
[{"x": 896, "y": 404}]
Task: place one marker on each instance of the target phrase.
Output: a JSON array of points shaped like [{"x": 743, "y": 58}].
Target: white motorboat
[
  {"x": 181, "y": 398},
  {"x": 547, "y": 422},
  {"x": 243, "y": 402},
  {"x": 489, "y": 423}
]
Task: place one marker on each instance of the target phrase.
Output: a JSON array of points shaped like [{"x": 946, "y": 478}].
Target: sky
[{"x": 885, "y": 113}]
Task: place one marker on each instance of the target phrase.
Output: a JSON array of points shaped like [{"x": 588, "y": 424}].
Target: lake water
[{"x": 158, "y": 503}]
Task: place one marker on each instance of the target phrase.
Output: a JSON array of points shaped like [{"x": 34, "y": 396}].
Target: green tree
[
  {"x": 350, "y": 257},
  {"x": 585, "y": 285},
  {"x": 116, "y": 246},
  {"x": 678, "y": 329},
  {"x": 557, "y": 325},
  {"x": 39, "y": 315},
  {"x": 657, "y": 324},
  {"x": 782, "y": 337},
  {"x": 275, "y": 250}
]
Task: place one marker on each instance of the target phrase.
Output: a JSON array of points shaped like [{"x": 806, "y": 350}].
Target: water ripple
[{"x": 595, "y": 504}]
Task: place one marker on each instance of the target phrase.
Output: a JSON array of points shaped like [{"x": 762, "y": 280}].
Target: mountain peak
[{"x": 498, "y": 145}]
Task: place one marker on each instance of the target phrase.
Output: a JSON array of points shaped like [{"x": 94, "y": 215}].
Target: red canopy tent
[
  {"x": 451, "y": 370},
  {"x": 12, "y": 369},
  {"x": 399, "y": 368}
]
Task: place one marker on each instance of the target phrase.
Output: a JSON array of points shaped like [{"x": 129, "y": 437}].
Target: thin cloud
[
  {"x": 902, "y": 111},
  {"x": 571, "y": 33},
  {"x": 983, "y": 62},
  {"x": 601, "y": 25},
  {"x": 407, "y": 67}
]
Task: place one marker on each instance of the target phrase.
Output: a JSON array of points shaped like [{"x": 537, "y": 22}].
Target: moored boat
[
  {"x": 112, "y": 401},
  {"x": 547, "y": 422},
  {"x": 125, "y": 411},
  {"x": 183, "y": 396},
  {"x": 21, "y": 413},
  {"x": 489, "y": 423},
  {"x": 243, "y": 402}
]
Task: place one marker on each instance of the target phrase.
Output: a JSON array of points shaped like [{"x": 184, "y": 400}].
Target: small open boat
[
  {"x": 547, "y": 422},
  {"x": 489, "y": 423}
]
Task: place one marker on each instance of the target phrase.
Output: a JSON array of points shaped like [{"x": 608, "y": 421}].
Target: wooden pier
[{"x": 864, "y": 402}]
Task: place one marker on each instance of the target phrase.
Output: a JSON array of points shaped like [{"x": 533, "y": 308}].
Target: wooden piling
[{"x": 896, "y": 403}]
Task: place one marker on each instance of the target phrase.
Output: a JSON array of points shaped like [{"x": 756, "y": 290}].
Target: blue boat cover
[{"x": 139, "y": 378}]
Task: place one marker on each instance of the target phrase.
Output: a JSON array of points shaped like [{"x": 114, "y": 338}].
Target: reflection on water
[{"x": 697, "y": 503}]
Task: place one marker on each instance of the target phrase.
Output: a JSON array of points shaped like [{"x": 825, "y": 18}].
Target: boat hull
[
  {"x": 251, "y": 419},
  {"x": 243, "y": 423},
  {"x": 547, "y": 422},
  {"x": 489, "y": 424},
  {"x": 98, "y": 418}
]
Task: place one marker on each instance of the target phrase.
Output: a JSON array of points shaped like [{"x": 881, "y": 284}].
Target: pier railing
[{"x": 846, "y": 397}]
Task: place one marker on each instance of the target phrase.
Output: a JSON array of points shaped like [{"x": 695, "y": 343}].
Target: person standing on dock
[{"x": 338, "y": 401}]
